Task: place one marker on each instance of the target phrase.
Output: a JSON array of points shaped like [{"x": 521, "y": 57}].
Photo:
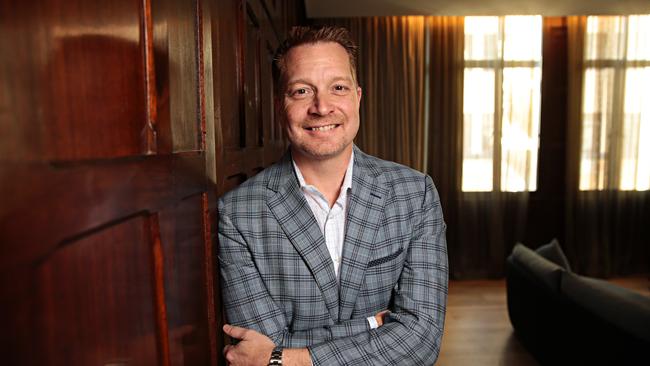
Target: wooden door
[{"x": 107, "y": 181}]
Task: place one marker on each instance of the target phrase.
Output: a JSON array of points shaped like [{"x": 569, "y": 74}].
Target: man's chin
[{"x": 320, "y": 153}]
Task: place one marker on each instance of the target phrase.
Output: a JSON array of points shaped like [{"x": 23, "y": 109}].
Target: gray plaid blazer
[{"x": 278, "y": 277}]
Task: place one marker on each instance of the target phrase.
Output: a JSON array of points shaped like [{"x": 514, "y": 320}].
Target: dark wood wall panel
[
  {"x": 105, "y": 217},
  {"x": 97, "y": 294},
  {"x": 72, "y": 199},
  {"x": 253, "y": 127},
  {"x": 182, "y": 240},
  {"x": 91, "y": 112},
  {"x": 227, "y": 33},
  {"x": 175, "y": 31}
]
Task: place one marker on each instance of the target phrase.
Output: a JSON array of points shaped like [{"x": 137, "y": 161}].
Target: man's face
[{"x": 321, "y": 101}]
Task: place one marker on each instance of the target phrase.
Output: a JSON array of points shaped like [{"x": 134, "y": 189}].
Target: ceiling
[{"x": 362, "y": 8}]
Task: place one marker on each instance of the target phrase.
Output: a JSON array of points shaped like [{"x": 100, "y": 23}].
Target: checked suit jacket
[{"x": 278, "y": 277}]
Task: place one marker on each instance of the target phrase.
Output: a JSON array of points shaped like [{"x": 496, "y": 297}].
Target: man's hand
[{"x": 253, "y": 349}]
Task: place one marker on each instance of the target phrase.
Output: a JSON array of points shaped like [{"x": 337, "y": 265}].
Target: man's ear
[{"x": 359, "y": 92}]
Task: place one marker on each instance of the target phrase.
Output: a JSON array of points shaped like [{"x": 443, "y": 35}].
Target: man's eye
[
  {"x": 300, "y": 92},
  {"x": 341, "y": 88}
]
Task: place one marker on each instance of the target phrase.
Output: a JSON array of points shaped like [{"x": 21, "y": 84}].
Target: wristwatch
[{"x": 276, "y": 356}]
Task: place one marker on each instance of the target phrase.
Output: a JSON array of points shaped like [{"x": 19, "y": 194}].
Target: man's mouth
[{"x": 322, "y": 128}]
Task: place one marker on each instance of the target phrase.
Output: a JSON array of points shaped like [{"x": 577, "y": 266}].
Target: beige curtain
[
  {"x": 444, "y": 129},
  {"x": 392, "y": 73},
  {"x": 607, "y": 218}
]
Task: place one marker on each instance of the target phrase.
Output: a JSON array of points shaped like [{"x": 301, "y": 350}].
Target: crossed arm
[
  {"x": 410, "y": 333},
  {"x": 255, "y": 348}
]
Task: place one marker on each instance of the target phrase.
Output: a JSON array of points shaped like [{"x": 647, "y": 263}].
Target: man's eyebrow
[
  {"x": 332, "y": 80},
  {"x": 298, "y": 81}
]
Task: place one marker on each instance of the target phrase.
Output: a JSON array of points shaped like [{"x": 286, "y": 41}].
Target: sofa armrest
[{"x": 621, "y": 307}]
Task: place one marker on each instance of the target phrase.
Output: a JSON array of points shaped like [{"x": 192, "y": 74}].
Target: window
[
  {"x": 501, "y": 103},
  {"x": 615, "y": 150}
]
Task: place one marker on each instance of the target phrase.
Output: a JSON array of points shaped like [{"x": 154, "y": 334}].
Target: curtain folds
[
  {"x": 607, "y": 231},
  {"x": 444, "y": 128},
  {"x": 391, "y": 73}
]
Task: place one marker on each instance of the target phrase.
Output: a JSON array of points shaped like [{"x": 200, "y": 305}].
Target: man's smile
[{"x": 322, "y": 128}]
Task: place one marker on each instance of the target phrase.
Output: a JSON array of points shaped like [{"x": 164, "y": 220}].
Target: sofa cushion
[
  {"x": 547, "y": 272},
  {"x": 621, "y": 307},
  {"x": 553, "y": 252}
]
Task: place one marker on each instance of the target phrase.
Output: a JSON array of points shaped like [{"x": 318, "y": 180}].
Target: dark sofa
[{"x": 563, "y": 318}]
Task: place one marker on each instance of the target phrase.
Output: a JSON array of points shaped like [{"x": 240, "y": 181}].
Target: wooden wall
[
  {"x": 245, "y": 35},
  {"x": 120, "y": 124}
]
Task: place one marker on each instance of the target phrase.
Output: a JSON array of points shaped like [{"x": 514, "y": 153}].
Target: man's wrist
[{"x": 296, "y": 357}]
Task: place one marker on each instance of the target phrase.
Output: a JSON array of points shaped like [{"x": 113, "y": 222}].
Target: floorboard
[{"x": 478, "y": 330}]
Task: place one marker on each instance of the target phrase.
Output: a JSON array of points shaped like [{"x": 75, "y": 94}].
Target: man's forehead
[
  {"x": 325, "y": 50},
  {"x": 325, "y": 55}
]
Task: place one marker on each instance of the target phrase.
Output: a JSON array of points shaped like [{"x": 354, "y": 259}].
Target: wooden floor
[{"x": 478, "y": 330}]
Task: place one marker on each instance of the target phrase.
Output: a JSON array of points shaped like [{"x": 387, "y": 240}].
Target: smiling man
[{"x": 330, "y": 256}]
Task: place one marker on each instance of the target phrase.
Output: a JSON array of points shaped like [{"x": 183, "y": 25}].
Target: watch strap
[{"x": 276, "y": 357}]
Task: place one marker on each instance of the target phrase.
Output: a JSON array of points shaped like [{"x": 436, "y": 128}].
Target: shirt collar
[{"x": 347, "y": 180}]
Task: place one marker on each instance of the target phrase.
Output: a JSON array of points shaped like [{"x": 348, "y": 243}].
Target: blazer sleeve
[
  {"x": 412, "y": 333},
  {"x": 248, "y": 303}
]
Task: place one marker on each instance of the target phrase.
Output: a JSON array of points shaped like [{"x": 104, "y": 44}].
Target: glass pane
[
  {"x": 638, "y": 37},
  {"x": 520, "y": 128},
  {"x": 482, "y": 38},
  {"x": 605, "y": 38},
  {"x": 523, "y": 38},
  {"x": 478, "y": 129},
  {"x": 635, "y": 159},
  {"x": 596, "y": 119}
]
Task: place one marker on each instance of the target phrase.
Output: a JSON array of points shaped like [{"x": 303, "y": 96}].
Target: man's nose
[{"x": 321, "y": 104}]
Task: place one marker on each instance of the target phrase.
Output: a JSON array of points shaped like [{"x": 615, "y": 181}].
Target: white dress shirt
[{"x": 331, "y": 221}]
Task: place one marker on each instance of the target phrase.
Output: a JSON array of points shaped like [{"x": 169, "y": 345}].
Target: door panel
[
  {"x": 96, "y": 295},
  {"x": 105, "y": 224}
]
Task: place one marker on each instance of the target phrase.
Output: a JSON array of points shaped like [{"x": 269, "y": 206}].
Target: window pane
[
  {"x": 605, "y": 38},
  {"x": 482, "y": 38},
  {"x": 638, "y": 37},
  {"x": 523, "y": 38},
  {"x": 520, "y": 128},
  {"x": 478, "y": 129},
  {"x": 508, "y": 51},
  {"x": 596, "y": 116},
  {"x": 635, "y": 164}
]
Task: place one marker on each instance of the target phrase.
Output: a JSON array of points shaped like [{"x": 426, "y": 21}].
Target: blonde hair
[{"x": 310, "y": 35}]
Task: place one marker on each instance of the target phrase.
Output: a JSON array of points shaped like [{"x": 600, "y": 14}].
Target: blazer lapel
[
  {"x": 292, "y": 212},
  {"x": 365, "y": 212}
]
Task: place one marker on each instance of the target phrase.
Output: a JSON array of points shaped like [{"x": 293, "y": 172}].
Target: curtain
[
  {"x": 444, "y": 133},
  {"x": 608, "y": 134},
  {"x": 393, "y": 100}
]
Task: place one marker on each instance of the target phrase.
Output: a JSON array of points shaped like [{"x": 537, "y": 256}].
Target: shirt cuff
[{"x": 372, "y": 321}]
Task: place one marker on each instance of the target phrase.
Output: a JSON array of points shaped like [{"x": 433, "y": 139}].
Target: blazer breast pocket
[{"x": 386, "y": 259}]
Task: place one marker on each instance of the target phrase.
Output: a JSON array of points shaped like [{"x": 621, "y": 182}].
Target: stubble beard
[{"x": 302, "y": 145}]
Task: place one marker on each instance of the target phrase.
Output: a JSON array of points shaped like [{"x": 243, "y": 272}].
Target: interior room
[{"x": 123, "y": 123}]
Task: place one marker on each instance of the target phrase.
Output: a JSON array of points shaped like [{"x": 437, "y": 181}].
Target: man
[{"x": 331, "y": 256}]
